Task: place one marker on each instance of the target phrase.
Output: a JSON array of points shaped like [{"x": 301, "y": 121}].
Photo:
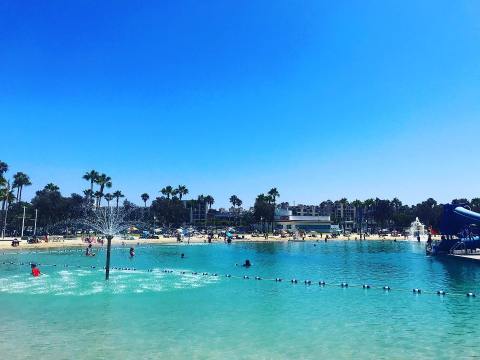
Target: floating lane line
[{"x": 334, "y": 284}]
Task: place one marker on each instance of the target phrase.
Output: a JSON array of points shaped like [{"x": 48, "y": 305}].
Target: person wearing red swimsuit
[{"x": 35, "y": 270}]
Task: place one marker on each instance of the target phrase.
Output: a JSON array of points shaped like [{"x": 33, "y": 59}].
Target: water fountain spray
[{"x": 108, "y": 221}]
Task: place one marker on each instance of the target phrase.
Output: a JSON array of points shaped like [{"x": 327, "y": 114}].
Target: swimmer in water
[
  {"x": 35, "y": 270},
  {"x": 132, "y": 252},
  {"x": 182, "y": 256},
  {"x": 247, "y": 263}
]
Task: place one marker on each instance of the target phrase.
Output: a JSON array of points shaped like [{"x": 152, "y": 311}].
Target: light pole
[
  {"x": 5, "y": 222},
  {"x": 23, "y": 222},
  {"x": 35, "y": 226}
]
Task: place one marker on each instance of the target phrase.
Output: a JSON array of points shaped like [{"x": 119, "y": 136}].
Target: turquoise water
[{"x": 70, "y": 312}]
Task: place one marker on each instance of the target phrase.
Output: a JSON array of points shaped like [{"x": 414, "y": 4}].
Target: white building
[{"x": 286, "y": 221}]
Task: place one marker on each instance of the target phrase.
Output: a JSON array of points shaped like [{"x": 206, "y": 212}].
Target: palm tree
[
  {"x": 6, "y": 195},
  {"x": 92, "y": 177},
  {"x": 20, "y": 180},
  {"x": 274, "y": 194},
  {"x": 344, "y": 203},
  {"x": 368, "y": 204},
  {"x": 103, "y": 181},
  {"x": 233, "y": 200},
  {"x": 89, "y": 194},
  {"x": 181, "y": 191},
  {"x": 109, "y": 197},
  {"x": 145, "y": 198},
  {"x": 167, "y": 191},
  {"x": 98, "y": 195},
  {"x": 51, "y": 187},
  {"x": 209, "y": 200},
  {"x": 3, "y": 168},
  {"x": 117, "y": 195},
  {"x": 174, "y": 193},
  {"x": 358, "y": 204}
]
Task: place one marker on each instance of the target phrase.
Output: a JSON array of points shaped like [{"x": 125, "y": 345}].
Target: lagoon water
[{"x": 71, "y": 313}]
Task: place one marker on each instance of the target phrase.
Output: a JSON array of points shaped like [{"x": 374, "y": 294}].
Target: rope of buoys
[{"x": 321, "y": 283}]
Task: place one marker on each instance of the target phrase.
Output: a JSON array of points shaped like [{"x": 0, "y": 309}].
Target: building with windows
[
  {"x": 338, "y": 212},
  {"x": 286, "y": 220}
]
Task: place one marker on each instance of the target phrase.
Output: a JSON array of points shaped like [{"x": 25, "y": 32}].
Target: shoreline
[{"x": 5, "y": 244}]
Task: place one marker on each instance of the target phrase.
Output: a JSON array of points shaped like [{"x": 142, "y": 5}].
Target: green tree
[
  {"x": 209, "y": 200},
  {"x": 358, "y": 205},
  {"x": 167, "y": 191},
  {"x": 108, "y": 197},
  {"x": 475, "y": 204},
  {"x": 98, "y": 195},
  {"x": 145, "y": 198},
  {"x": 92, "y": 177},
  {"x": 104, "y": 181},
  {"x": 20, "y": 180},
  {"x": 51, "y": 187},
  {"x": 181, "y": 191},
  {"x": 3, "y": 168},
  {"x": 117, "y": 195}
]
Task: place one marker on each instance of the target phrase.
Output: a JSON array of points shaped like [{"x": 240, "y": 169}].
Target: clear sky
[{"x": 321, "y": 99}]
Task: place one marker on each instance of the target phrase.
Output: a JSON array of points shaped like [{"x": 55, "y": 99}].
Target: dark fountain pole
[{"x": 107, "y": 265}]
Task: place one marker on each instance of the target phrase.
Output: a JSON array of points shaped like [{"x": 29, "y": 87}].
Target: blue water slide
[{"x": 469, "y": 214}]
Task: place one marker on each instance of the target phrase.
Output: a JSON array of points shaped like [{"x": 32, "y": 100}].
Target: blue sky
[{"x": 321, "y": 99}]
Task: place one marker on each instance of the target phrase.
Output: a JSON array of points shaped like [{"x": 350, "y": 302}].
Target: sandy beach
[{"x": 79, "y": 242}]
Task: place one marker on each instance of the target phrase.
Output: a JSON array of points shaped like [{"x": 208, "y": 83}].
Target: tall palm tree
[
  {"x": 108, "y": 197},
  {"x": 181, "y": 191},
  {"x": 145, "y": 198},
  {"x": 51, "y": 187},
  {"x": 20, "y": 180},
  {"x": 98, "y": 195},
  {"x": 358, "y": 204},
  {"x": 103, "y": 181},
  {"x": 6, "y": 195},
  {"x": 274, "y": 194},
  {"x": 117, "y": 195},
  {"x": 89, "y": 194},
  {"x": 92, "y": 177},
  {"x": 233, "y": 200},
  {"x": 167, "y": 191},
  {"x": 209, "y": 200},
  {"x": 3, "y": 168},
  {"x": 369, "y": 205}
]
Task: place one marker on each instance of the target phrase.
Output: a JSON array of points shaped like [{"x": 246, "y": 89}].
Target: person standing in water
[
  {"x": 89, "y": 251},
  {"x": 132, "y": 252},
  {"x": 35, "y": 270}
]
